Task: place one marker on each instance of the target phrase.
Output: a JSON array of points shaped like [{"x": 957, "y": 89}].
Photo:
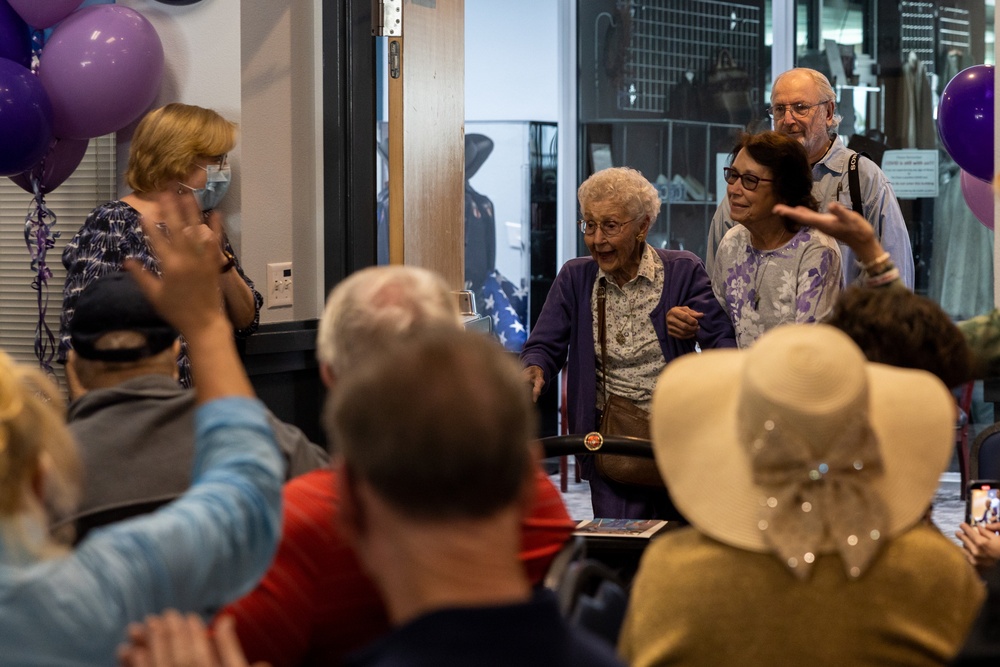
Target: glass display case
[
  {"x": 681, "y": 157},
  {"x": 664, "y": 87}
]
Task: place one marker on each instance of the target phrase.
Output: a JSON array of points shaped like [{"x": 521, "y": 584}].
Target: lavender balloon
[
  {"x": 25, "y": 118},
  {"x": 965, "y": 120},
  {"x": 61, "y": 160},
  {"x": 102, "y": 68},
  {"x": 15, "y": 42},
  {"x": 979, "y": 197},
  {"x": 44, "y": 13}
]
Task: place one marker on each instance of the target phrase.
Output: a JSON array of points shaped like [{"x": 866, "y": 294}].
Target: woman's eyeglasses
[
  {"x": 609, "y": 228},
  {"x": 750, "y": 182},
  {"x": 799, "y": 109}
]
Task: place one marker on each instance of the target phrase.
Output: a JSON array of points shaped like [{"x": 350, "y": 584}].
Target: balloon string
[
  {"x": 37, "y": 42},
  {"x": 40, "y": 237}
]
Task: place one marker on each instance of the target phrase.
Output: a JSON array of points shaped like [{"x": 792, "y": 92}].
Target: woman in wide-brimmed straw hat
[{"x": 818, "y": 553}]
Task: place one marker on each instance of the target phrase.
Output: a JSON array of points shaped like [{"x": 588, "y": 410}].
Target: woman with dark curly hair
[{"x": 769, "y": 270}]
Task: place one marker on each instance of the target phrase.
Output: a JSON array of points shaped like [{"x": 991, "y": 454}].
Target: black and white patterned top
[
  {"x": 635, "y": 357},
  {"x": 111, "y": 234}
]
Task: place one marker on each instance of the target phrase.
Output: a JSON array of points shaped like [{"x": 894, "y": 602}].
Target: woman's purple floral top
[{"x": 760, "y": 289}]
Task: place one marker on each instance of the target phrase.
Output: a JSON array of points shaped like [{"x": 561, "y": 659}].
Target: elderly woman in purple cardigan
[{"x": 643, "y": 286}]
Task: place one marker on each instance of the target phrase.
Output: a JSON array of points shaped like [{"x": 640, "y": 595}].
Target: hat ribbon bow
[{"x": 817, "y": 504}]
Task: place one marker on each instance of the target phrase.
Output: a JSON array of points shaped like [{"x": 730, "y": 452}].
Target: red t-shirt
[{"x": 316, "y": 604}]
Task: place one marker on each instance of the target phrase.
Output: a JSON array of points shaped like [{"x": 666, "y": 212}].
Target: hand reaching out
[
  {"x": 187, "y": 295},
  {"x": 173, "y": 640},
  {"x": 841, "y": 223}
]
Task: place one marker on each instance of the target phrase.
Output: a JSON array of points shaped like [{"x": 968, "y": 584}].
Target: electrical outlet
[{"x": 279, "y": 285}]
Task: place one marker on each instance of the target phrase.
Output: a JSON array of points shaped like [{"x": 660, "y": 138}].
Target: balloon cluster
[
  {"x": 965, "y": 125},
  {"x": 98, "y": 70}
]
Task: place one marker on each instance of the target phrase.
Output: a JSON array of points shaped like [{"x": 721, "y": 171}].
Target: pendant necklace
[
  {"x": 758, "y": 279},
  {"x": 621, "y": 337}
]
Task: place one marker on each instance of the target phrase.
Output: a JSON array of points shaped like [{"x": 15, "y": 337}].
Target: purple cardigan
[{"x": 566, "y": 325}]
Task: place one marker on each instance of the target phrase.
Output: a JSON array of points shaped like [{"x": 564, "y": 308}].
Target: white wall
[
  {"x": 511, "y": 60},
  {"x": 201, "y": 67},
  {"x": 239, "y": 59}
]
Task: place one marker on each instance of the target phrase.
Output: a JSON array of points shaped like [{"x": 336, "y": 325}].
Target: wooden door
[{"x": 427, "y": 138}]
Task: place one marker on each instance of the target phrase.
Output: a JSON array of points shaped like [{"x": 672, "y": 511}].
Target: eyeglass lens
[
  {"x": 750, "y": 182},
  {"x": 799, "y": 109},
  {"x": 608, "y": 227}
]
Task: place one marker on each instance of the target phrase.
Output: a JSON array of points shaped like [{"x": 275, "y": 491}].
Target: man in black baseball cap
[
  {"x": 117, "y": 335},
  {"x": 114, "y": 322},
  {"x": 133, "y": 420}
]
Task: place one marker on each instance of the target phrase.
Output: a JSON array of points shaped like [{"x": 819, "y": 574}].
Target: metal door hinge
[
  {"x": 387, "y": 18},
  {"x": 394, "y": 58}
]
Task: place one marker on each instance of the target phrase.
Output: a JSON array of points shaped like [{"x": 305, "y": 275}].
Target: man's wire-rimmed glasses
[{"x": 799, "y": 109}]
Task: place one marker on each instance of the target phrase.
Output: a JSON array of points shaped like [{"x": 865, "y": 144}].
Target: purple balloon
[
  {"x": 61, "y": 160},
  {"x": 25, "y": 118},
  {"x": 979, "y": 197},
  {"x": 965, "y": 120},
  {"x": 43, "y": 13},
  {"x": 15, "y": 40},
  {"x": 102, "y": 68}
]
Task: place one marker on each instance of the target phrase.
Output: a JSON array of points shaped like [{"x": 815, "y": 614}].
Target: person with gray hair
[
  {"x": 632, "y": 288},
  {"x": 804, "y": 106},
  {"x": 437, "y": 435},
  {"x": 377, "y": 304},
  {"x": 316, "y": 604}
]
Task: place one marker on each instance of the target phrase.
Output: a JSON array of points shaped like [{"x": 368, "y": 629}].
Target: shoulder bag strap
[
  {"x": 602, "y": 334},
  {"x": 854, "y": 183}
]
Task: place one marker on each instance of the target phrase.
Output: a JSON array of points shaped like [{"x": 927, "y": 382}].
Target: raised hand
[{"x": 173, "y": 640}]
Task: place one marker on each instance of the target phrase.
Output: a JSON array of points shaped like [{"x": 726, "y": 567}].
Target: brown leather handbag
[{"x": 622, "y": 417}]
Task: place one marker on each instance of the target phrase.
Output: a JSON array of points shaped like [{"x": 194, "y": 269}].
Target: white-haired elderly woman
[{"x": 642, "y": 285}]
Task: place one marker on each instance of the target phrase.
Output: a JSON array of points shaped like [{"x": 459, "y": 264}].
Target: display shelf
[
  {"x": 667, "y": 152},
  {"x": 664, "y": 87}
]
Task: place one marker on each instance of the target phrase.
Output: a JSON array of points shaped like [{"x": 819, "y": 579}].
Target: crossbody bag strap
[{"x": 602, "y": 335}]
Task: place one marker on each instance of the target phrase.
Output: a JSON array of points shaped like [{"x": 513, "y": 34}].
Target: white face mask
[{"x": 215, "y": 188}]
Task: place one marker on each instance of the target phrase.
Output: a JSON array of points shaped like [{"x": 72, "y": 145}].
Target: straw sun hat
[{"x": 800, "y": 447}]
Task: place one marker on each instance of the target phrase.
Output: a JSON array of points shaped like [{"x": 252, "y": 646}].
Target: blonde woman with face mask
[{"x": 178, "y": 152}]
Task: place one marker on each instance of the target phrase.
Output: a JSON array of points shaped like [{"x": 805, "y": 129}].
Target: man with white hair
[
  {"x": 804, "y": 106},
  {"x": 316, "y": 604}
]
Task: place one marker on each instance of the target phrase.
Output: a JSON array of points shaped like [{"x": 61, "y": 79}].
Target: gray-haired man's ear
[{"x": 76, "y": 388}]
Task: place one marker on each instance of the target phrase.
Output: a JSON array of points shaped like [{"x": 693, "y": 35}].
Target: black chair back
[{"x": 986, "y": 454}]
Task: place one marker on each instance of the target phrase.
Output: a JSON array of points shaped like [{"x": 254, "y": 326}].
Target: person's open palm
[{"x": 175, "y": 640}]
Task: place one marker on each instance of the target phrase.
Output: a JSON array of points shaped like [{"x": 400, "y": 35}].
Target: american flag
[{"x": 507, "y": 305}]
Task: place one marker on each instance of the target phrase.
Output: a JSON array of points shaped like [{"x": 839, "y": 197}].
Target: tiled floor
[{"x": 948, "y": 505}]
